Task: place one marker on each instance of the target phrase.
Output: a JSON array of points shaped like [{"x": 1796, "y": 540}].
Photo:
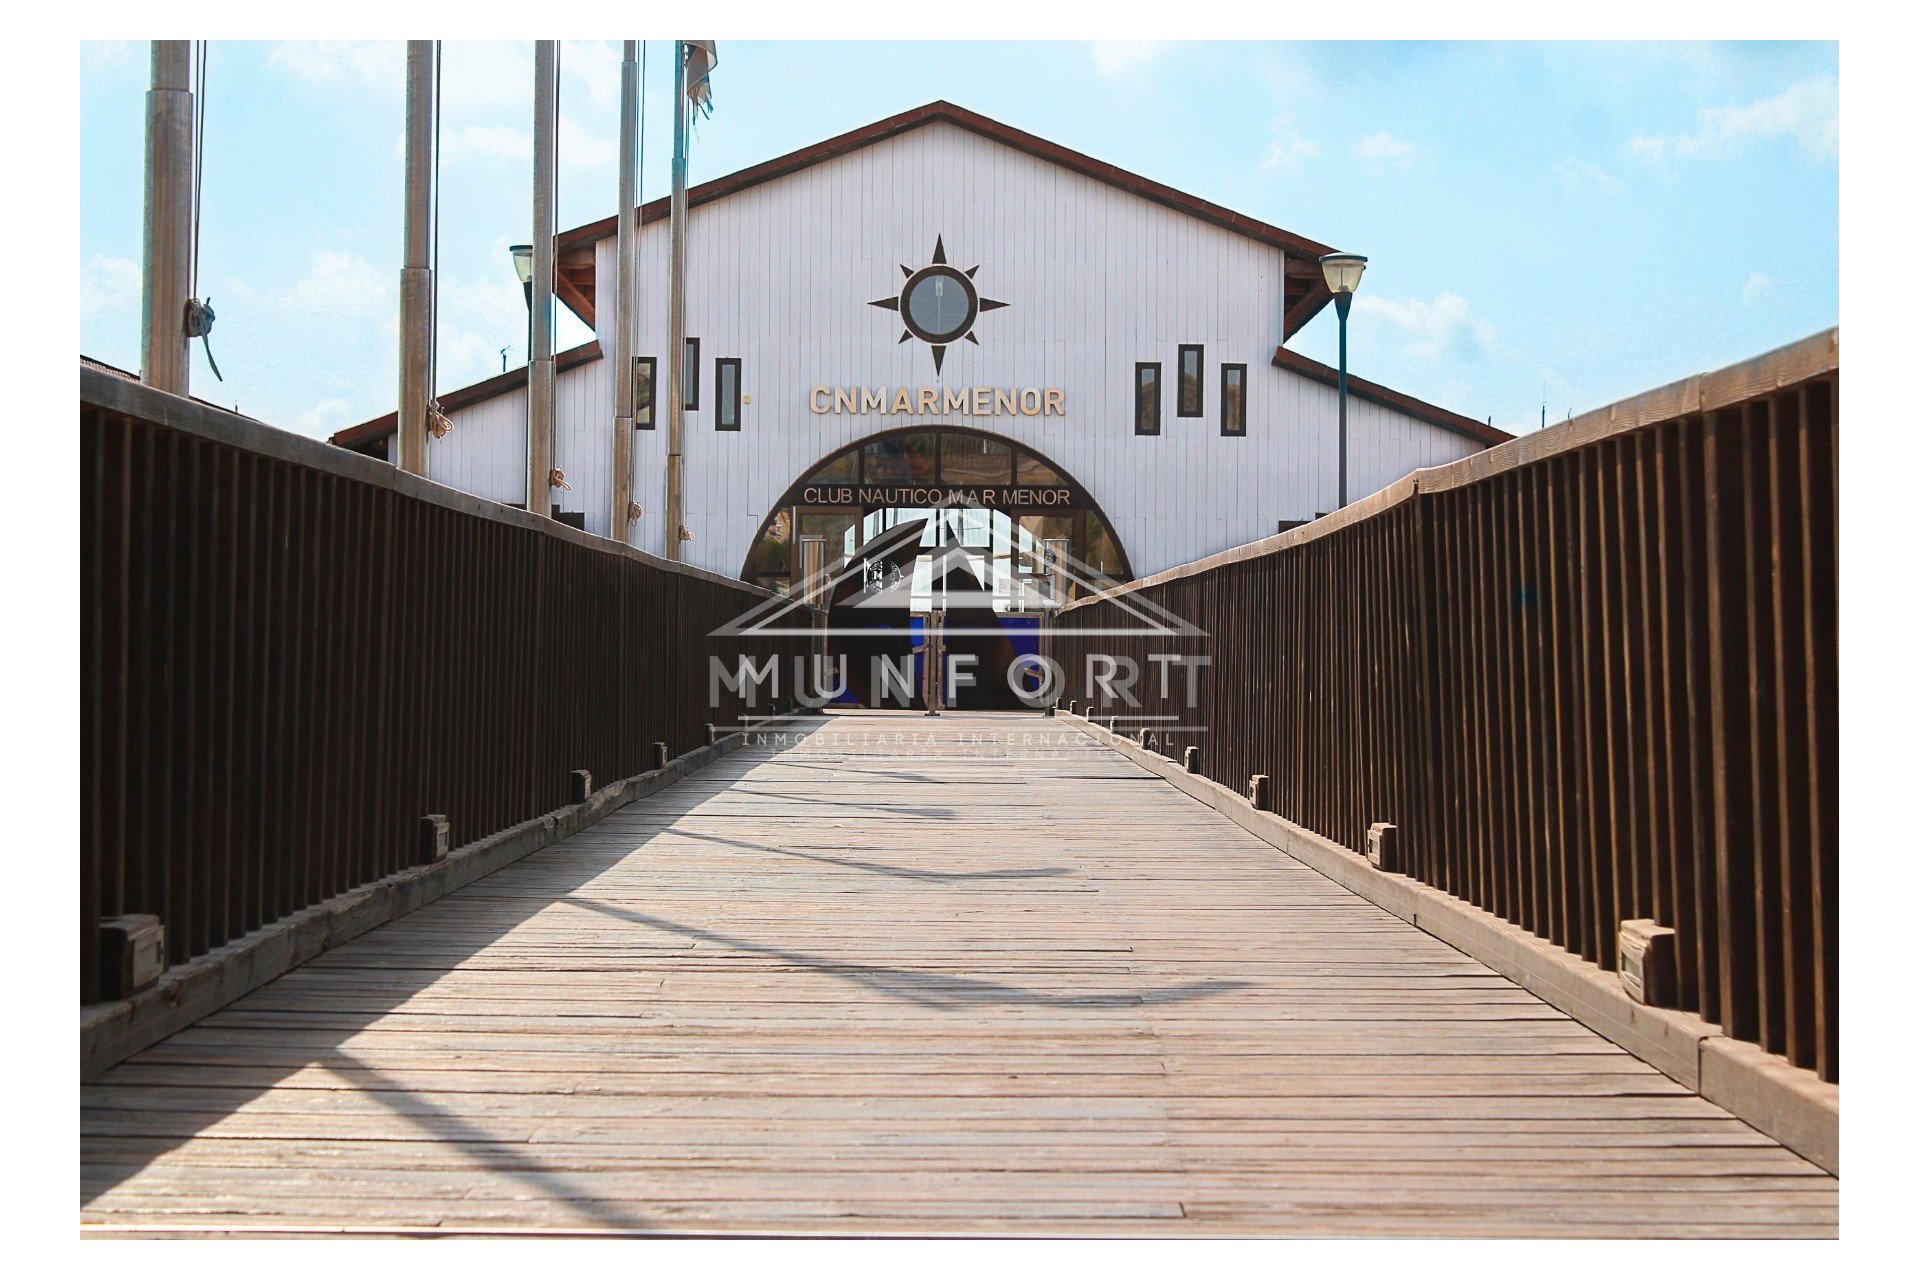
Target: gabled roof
[
  {"x": 1306, "y": 287},
  {"x": 1398, "y": 401},
  {"x": 374, "y": 430},
  {"x": 127, "y": 375},
  {"x": 88, "y": 362}
]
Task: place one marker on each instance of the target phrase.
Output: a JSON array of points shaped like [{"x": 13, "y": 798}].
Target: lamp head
[
  {"x": 522, "y": 262},
  {"x": 1342, "y": 271}
]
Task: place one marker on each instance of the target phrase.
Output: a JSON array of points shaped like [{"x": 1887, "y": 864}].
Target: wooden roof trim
[
  {"x": 499, "y": 384},
  {"x": 88, "y": 362},
  {"x": 1398, "y": 401},
  {"x": 1303, "y": 309},
  {"x": 568, "y": 288},
  {"x": 973, "y": 122}
]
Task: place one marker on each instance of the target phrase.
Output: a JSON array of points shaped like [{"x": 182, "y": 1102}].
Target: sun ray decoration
[{"x": 938, "y": 303}]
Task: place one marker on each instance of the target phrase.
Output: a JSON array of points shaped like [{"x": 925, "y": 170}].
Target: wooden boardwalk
[{"x": 977, "y": 974}]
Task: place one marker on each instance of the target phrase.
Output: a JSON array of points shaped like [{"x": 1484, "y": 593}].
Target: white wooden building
[{"x": 1101, "y": 341}]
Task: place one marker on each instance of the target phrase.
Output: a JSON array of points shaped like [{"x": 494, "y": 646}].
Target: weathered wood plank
[{"x": 897, "y": 976}]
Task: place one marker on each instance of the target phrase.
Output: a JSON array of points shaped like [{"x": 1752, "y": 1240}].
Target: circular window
[{"x": 939, "y": 304}]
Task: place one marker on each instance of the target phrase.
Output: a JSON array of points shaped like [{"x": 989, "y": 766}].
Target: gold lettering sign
[
  {"x": 1014, "y": 496},
  {"x": 927, "y": 402}
]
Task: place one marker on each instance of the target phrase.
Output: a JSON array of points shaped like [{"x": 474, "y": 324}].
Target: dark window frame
[
  {"x": 690, "y": 370},
  {"x": 940, "y": 459},
  {"x": 721, "y": 407},
  {"x": 1198, "y": 407},
  {"x": 1229, "y": 428},
  {"x": 1140, "y": 400},
  {"x": 652, "y": 415}
]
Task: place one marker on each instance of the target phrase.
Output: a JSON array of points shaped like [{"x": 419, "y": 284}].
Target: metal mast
[
  {"x": 626, "y": 313},
  {"x": 540, "y": 407},
  {"x": 677, "y": 319},
  {"x": 167, "y": 251},
  {"x": 416, "y": 273}
]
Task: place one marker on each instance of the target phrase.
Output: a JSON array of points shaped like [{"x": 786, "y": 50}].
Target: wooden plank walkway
[{"x": 976, "y": 974}]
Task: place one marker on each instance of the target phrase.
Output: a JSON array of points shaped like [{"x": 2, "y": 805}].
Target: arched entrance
[{"x": 979, "y": 530}]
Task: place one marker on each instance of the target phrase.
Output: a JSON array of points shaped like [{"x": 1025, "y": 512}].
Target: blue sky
[{"x": 1593, "y": 218}]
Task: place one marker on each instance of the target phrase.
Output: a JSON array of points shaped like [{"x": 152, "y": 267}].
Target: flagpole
[
  {"x": 677, "y": 309},
  {"x": 625, "y": 242},
  {"x": 416, "y": 275},
  {"x": 540, "y": 370},
  {"x": 167, "y": 249}
]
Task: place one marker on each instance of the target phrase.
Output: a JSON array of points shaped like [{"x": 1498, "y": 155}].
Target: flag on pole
[{"x": 702, "y": 57}]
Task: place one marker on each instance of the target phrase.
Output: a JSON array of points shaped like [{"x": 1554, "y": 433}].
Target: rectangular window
[
  {"x": 643, "y": 370},
  {"x": 1192, "y": 390},
  {"x": 1233, "y": 399},
  {"x": 1054, "y": 561},
  {"x": 1146, "y": 399},
  {"x": 844, "y": 469},
  {"x": 901, "y": 460},
  {"x": 813, "y": 583},
  {"x": 966, "y": 459},
  {"x": 726, "y": 392},
  {"x": 690, "y": 370},
  {"x": 1030, "y": 470}
]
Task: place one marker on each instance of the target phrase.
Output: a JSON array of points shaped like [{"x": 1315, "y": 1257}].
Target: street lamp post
[
  {"x": 1342, "y": 271},
  {"x": 523, "y": 267}
]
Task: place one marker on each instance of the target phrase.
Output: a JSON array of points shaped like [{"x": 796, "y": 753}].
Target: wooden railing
[
  {"x": 292, "y": 654},
  {"x": 1589, "y": 675}
]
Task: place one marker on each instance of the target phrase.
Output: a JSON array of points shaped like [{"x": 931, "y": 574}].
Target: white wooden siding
[
  {"x": 486, "y": 452},
  {"x": 781, "y": 275}
]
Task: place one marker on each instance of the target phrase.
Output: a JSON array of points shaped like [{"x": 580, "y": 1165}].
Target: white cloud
[
  {"x": 1807, "y": 112},
  {"x": 1124, "y": 57},
  {"x": 1578, "y": 177},
  {"x": 477, "y": 318},
  {"x": 487, "y": 141},
  {"x": 323, "y": 419},
  {"x": 110, "y": 55},
  {"x": 1430, "y": 331},
  {"x": 481, "y": 74},
  {"x": 1757, "y": 287},
  {"x": 1556, "y": 396},
  {"x": 342, "y": 62},
  {"x": 582, "y": 146},
  {"x": 344, "y": 284},
  {"x": 1381, "y": 149},
  {"x": 592, "y": 67},
  {"x": 579, "y": 145},
  {"x": 108, "y": 286},
  {"x": 1288, "y": 149}
]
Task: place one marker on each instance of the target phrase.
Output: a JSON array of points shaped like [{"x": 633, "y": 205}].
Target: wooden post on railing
[
  {"x": 434, "y": 830},
  {"x": 280, "y": 655},
  {"x": 1731, "y": 720}
]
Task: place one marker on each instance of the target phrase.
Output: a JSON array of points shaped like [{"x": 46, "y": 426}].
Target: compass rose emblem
[{"x": 938, "y": 303}]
